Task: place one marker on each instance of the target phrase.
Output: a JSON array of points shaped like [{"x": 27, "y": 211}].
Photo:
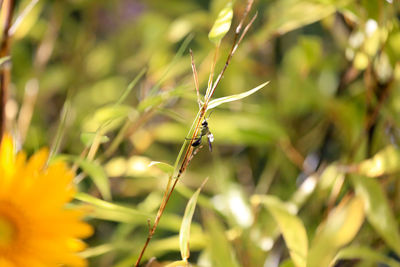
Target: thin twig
[{"x": 5, "y": 73}]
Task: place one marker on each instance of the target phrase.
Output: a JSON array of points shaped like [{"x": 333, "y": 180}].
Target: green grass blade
[
  {"x": 184, "y": 233},
  {"x": 131, "y": 85},
  {"x": 95, "y": 172},
  {"x": 216, "y": 102},
  {"x": 113, "y": 212}
]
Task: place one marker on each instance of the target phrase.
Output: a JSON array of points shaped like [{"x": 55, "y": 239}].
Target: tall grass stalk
[{"x": 196, "y": 125}]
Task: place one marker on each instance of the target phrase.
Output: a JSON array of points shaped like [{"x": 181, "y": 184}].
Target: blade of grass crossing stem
[
  {"x": 216, "y": 102},
  {"x": 379, "y": 213},
  {"x": 131, "y": 85},
  {"x": 222, "y": 24},
  {"x": 291, "y": 227},
  {"x": 178, "y": 55},
  {"x": 184, "y": 233}
]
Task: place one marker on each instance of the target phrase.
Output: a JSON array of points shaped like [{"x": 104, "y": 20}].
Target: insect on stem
[{"x": 201, "y": 128}]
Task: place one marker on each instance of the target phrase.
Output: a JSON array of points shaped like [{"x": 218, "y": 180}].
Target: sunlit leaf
[
  {"x": 339, "y": 229},
  {"x": 222, "y": 24},
  {"x": 384, "y": 162},
  {"x": 88, "y": 138},
  {"x": 184, "y": 233},
  {"x": 165, "y": 167},
  {"x": 366, "y": 254},
  {"x": 291, "y": 226},
  {"x": 379, "y": 213},
  {"x": 178, "y": 264},
  {"x": 288, "y": 15},
  {"x": 216, "y": 102}
]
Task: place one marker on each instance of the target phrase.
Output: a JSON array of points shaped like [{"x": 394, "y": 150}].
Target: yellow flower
[{"x": 36, "y": 227}]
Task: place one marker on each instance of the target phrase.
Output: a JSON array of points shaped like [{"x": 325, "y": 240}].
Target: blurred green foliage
[{"x": 305, "y": 172}]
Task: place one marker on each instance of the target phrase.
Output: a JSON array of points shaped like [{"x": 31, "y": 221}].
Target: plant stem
[
  {"x": 5, "y": 73},
  {"x": 200, "y": 117}
]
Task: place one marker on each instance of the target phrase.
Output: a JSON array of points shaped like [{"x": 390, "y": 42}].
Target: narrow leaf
[
  {"x": 98, "y": 175},
  {"x": 131, "y": 85},
  {"x": 95, "y": 172},
  {"x": 184, "y": 233},
  {"x": 113, "y": 212},
  {"x": 339, "y": 229},
  {"x": 216, "y": 102},
  {"x": 165, "y": 167},
  {"x": 291, "y": 226},
  {"x": 222, "y": 24},
  {"x": 379, "y": 213}
]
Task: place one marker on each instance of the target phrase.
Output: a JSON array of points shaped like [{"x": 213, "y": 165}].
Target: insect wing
[{"x": 210, "y": 138}]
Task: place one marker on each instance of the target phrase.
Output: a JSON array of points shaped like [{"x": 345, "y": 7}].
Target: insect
[{"x": 204, "y": 131}]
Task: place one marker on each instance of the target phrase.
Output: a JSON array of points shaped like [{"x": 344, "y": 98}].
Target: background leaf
[
  {"x": 291, "y": 227},
  {"x": 378, "y": 211},
  {"x": 339, "y": 229}
]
